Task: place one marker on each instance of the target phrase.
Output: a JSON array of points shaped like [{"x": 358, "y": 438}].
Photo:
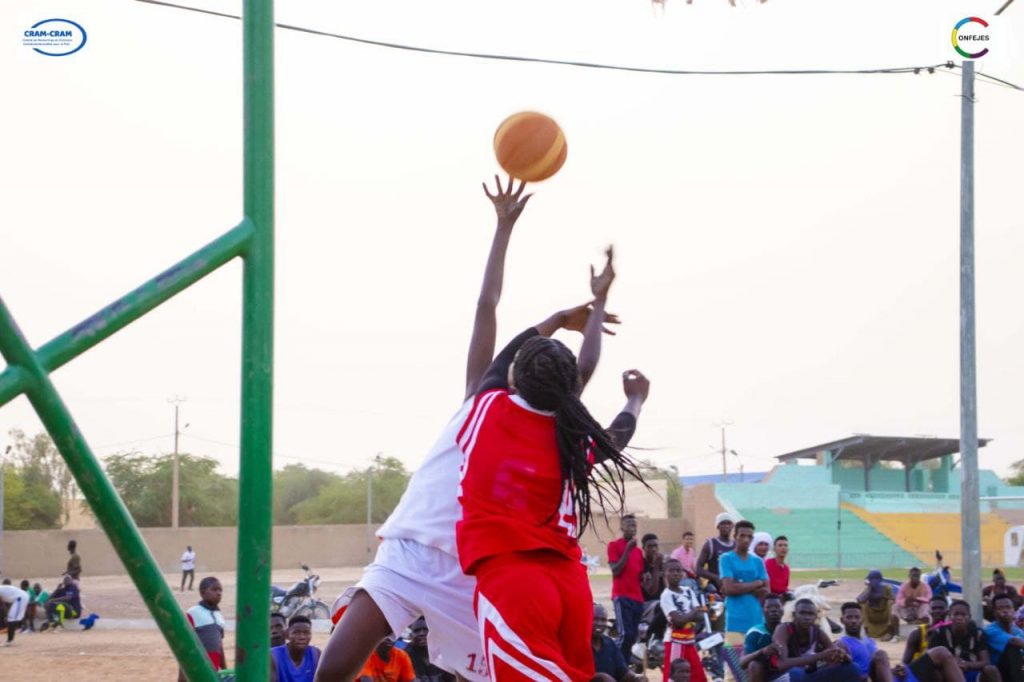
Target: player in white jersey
[{"x": 416, "y": 571}]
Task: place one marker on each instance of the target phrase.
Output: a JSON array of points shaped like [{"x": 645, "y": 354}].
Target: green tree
[
  {"x": 38, "y": 457},
  {"x": 29, "y": 501},
  {"x": 293, "y": 485},
  {"x": 343, "y": 500},
  {"x": 144, "y": 482},
  {"x": 1017, "y": 468}
]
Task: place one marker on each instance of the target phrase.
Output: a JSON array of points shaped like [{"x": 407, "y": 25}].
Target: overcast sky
[{"x": 788, "y": 245}]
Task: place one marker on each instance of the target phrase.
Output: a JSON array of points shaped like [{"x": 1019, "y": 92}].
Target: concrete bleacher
[{"x": 802, "y": 503}]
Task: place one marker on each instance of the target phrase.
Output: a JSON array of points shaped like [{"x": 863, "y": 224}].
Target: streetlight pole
[
  {"x": 970, "y": 518},
  {"x": 369, "y": 506},
  {"x": 175, "y": 473}
]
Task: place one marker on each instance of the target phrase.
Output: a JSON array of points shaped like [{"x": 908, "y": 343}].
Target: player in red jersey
[{"x": 528, "y": 478}]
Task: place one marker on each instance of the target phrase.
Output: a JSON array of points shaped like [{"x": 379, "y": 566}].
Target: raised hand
[
  {"x": 507, "y": 204},
  {"x": 575, "y": 319},
  {"x": 635, "y": 384},
  {"x": 601, "y": 283}
]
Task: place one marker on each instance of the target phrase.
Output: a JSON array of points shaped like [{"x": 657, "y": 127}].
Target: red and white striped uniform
[{"x": 518, "y": 537}]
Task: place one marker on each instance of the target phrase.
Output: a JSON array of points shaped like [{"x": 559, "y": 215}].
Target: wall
[
  {"x": 700, "y": 507},
  {"x": 42, "y": 554}
]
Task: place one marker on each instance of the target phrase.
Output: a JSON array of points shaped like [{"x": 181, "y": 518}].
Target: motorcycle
[{"x": 300, "y": 598}]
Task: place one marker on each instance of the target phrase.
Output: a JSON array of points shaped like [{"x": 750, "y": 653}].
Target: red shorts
[
  {"x": 687, "y": 651},
  {"x": 535, "y": 613}
]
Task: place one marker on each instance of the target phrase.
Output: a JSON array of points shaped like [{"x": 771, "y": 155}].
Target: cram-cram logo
[
  {"x": 55, "y": 37},
  {"x": 970, "y": 37}
]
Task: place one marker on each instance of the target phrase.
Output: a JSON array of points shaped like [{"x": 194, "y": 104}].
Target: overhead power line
[{"x": 928, "y": 68}]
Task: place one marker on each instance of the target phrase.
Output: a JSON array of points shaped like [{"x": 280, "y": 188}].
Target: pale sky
[{"x": 787, "y": 246}]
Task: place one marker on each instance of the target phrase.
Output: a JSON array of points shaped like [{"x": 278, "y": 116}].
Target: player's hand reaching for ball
[
  {"x": 507, "y": 204},
  {"x": 601, "y": 283},
  {"x": 635, "y": 385}
]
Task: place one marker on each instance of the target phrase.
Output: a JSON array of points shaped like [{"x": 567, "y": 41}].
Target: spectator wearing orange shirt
[{"x": 387, "y": 664}]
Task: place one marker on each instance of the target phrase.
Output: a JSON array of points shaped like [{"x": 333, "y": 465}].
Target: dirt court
[{"x": 115, "y": 655}]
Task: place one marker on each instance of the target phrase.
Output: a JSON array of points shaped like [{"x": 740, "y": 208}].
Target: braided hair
[{"x": 546, "y": 376}]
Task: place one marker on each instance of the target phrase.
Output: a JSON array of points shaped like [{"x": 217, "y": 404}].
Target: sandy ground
[{"x": 142, "y": 655}]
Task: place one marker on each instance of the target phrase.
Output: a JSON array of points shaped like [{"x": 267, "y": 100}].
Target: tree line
[{"x": 39, "y": 491}]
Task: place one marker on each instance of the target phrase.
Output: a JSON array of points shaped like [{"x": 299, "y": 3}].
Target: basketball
[{"x": 530, "y": 146}]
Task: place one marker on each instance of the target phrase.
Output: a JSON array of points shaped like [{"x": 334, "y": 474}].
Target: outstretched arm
[
  {"x": 572, "y": 319},
  {"x": 508, "y": 205},
  {"x": 590, "y": 351}
]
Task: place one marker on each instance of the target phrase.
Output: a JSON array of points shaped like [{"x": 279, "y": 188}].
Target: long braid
[{"x": 546, "y": 375}]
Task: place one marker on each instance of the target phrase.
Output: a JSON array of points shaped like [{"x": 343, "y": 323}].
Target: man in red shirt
[
  {"x": 778, "y": 569},
  {"x": 627, "y": 563}
]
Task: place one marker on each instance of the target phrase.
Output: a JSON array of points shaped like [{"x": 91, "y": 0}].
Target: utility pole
[
  {"x": 970, "y": 522},
  {"x": 175, "y": 476},
  {"x": 369, "y": 506},
  {"x": 724, "y": 451}
]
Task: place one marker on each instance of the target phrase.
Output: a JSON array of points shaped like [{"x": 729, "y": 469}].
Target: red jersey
[
  {"x": 778, "y": 576},
  {"x": 512, "y": 494}
]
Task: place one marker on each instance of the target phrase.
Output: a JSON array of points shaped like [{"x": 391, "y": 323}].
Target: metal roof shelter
[{"x": 869, "y": 450}]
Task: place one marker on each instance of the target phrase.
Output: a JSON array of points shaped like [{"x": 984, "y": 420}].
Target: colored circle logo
[
  {"x": 55, "y": 37},
  {"x": 969, "y": 34}
]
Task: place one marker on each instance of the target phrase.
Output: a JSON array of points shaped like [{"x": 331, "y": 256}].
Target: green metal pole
[
  {"x": 130, "y": 307},
  {"x": 252, "y": 661},
  {"x": 105, "y": 503}
]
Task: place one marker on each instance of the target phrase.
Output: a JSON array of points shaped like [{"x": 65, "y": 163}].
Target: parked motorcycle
[{"x": 300, "y": 598}]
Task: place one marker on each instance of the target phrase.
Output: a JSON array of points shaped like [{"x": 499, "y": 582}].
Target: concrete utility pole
[
  {"x": 175, "y": 475},
  {"x": 369, "y": 506},
  {"x": 970, "y": 522},
  {"x": 7, "y": 451},
  {"x": 724, "y": 451}
]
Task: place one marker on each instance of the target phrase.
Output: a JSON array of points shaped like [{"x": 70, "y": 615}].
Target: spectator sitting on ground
[
  {"x": 762, "y": 543},
  {"x": 278, "y": 629},
  {"x": 420, "y": 654},
  {"x": 876, "y": 600},
  {"x": 807, "y": 653},
  {"x": 872, "y": 662},
  {"x": 387, "y": 664},
  {"x": 966, "y": 642},
  {"x": 39, "y": 599},
  {"x": 686, "y": 555},
  {"x": 64, "y": 602},
  {"x": 917, "y": 640},
  {"x": 759, "y": 646},
  {"x": 778, "y": 569},
  {"x": 1005, "y": 640},
  {"x": 607, "y": 654},
  {"x": 912, "y": 599},
  {"x": 997, "y": 588},
  {"x": 295, "y": 661}
]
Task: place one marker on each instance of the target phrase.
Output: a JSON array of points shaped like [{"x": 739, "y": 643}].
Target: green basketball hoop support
[{"x": 252, "y": 240}]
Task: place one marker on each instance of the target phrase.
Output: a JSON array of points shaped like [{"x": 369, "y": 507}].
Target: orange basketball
[{"x": 530, "y": 146}]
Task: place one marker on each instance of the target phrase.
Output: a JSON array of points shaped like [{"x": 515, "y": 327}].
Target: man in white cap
[{"x": 710, "y": 552}]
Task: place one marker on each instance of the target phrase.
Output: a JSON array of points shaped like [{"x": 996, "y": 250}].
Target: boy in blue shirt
[{"x": 1005, "y": 640}]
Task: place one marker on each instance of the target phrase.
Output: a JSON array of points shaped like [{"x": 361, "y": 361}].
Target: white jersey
[
  {"x": 10, "y": 594},
  {"x": 188, "y": 561},
  {"x": 429, "y": 508}
]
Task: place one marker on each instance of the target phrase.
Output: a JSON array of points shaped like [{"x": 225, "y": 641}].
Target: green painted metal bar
[
  {"x": 105, "y": 503},
  {"x": 252, "y": 662},
  {"x": 131, "y": 307}
]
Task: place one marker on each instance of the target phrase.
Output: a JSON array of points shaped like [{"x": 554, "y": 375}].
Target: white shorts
[
  {"x": 408, "y": 580},
  {"x": 16, "y": 611}
]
